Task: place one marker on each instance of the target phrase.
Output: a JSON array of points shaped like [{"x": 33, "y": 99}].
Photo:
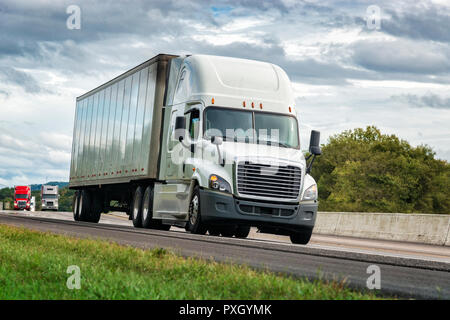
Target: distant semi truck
[
  {"x": 207, "y": 143},
  {"x": 22, "y": 198},
  {"x": 49, "y": 197},
  {"x": 33, "y": 204}
]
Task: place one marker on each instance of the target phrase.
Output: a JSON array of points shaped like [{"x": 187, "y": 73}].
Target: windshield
[
  {"x": 251, "y": 127},
  {"x": 49, "y": 196},
  {"x": 21, "y": 196}
]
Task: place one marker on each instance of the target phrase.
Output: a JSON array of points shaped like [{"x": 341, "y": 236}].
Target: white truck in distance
[
  {"x": 49, "y": 197},
  {"x": 207, "y": 143}
]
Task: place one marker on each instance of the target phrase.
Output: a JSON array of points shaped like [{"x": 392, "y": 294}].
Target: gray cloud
[
  {"x": 430, "y": 100},
  {"x": 430, "y": 23},
  {"x": 402, "y": 56},
  {"x": 20, "y": 78}
]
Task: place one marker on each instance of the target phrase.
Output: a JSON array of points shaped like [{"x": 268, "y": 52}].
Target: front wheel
[
  {"x": 195, "y": 224},
  {"x": 301, "y": 237}
]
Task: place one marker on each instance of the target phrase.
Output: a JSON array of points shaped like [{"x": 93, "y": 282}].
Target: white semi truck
[
  {"x": 207, "y": 143},
  {"x": 49, "y": 198}
]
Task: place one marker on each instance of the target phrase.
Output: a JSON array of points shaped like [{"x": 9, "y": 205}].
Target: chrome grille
[{"x": 262, "y": 180}]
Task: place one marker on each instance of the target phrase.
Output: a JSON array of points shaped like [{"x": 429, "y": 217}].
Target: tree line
[{"x": 367, "y": 171}]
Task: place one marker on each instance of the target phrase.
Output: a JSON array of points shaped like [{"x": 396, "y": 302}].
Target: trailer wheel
[
  {"x": 84, "y": 205},
  {"x": 75, "y": 206},
  {"x": 242, "y": 232},
  {"x": 195, "y": 224},
  {"x": 136, "y": 208},
  {"x": 95, "y": 211},
  {"x": 301, "y": 237}
]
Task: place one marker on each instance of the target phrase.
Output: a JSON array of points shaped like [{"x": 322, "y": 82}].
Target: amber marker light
[{"x": 212, "y": 101}]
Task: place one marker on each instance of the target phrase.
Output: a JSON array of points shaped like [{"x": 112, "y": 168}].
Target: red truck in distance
[{"x": 22, "y": 198}]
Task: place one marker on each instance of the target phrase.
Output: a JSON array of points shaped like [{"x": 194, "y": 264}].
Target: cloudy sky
[{"x": 345, "y": 72}]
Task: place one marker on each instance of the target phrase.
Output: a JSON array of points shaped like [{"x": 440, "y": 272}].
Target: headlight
[
  {"x": 219, "y": 183},
  {"x": 310, "y": 193}
]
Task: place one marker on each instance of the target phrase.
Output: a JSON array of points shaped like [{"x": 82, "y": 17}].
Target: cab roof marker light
[
  {"x": 212, "y": 101},
  {"x": 260, "y": 105},
  {"x": 290, "y": 110},
  {"x": 243, "y": 104},
  {"x": 253, "y": 104}
]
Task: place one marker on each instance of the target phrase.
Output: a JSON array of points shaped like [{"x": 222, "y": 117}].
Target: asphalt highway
[{"x": 407, "y": 270}]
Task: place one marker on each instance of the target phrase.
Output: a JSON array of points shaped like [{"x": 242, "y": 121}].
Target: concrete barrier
[{"x": 423, "y": 228}]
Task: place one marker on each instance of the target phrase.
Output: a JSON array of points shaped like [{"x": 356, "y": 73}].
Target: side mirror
[
  {"x": 314, "y": 143},
  {"x": 216, "y": 140},
  {"x": 180, "y": 128}
]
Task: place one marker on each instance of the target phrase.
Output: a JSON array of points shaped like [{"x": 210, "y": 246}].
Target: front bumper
[{"x": 221, "y": 208}]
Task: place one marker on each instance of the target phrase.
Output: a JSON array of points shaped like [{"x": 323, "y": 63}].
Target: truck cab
[
  {"x": 22, "y": 198},
  {"x": 231, "y": 155}
]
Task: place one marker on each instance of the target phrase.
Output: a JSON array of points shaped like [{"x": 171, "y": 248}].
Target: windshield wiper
[{"x": 275, "y": 143}]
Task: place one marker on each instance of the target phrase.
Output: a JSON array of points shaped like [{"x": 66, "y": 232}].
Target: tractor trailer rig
[
  {"x": 49, "y": 197},
  {"x": 207, "y": 143},
  {"x": 22, "y": 198}
]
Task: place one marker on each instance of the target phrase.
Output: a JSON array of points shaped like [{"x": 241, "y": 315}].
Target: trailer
[{"x": 207, "y": 143}]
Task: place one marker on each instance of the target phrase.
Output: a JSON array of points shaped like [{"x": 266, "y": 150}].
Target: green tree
[{"x": 365, "y": 170}]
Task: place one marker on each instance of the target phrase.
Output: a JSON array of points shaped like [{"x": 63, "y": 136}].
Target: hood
[{"x": 233, "y": 151}]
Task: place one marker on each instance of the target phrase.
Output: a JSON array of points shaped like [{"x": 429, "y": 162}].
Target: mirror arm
[{"x": 308, "y": 168}]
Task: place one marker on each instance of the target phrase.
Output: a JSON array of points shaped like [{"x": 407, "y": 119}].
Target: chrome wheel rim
[
  {"x": 75, "y": 207},
  {"x": 194, "y": 210},
  {"x": 145, "y": 207},
  {"x": 135, "y": 207}
]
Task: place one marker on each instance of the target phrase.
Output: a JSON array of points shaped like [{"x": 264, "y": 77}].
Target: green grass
[{"x": 33, "y": 266}]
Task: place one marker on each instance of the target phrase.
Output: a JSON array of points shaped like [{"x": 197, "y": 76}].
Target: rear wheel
[
  {"x": 136, "y": 207},
  {"x": 84, "y": 205},
  {"x": 301, "y": 237},
  {"x": 242, "y": 232},
  {"x": 75, "y": 205},
  {"x": 195, "y": 224},
  {"x": 147, "y": 212},
  {"x": 96, "y": 207}
]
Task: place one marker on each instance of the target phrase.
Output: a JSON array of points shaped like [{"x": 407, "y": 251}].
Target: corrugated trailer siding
[{"x": 113, "y": 129}]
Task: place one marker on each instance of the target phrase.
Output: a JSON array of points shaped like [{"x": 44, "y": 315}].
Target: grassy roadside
[{"x": 33, "y": 266}]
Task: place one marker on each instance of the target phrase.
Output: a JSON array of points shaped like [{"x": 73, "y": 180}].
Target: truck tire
[
  {"x": 301, "y": 237},
  {"x": 147, "y": 212},
  {"x": 195, "y": 224},
  {"x": 136, "y": 207},
  {"x": 75, "y": 206},
  {"x": 95, "y": 211},
  {"x": 242, "y": 232},
  {"x": 84, "y": 205}
]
